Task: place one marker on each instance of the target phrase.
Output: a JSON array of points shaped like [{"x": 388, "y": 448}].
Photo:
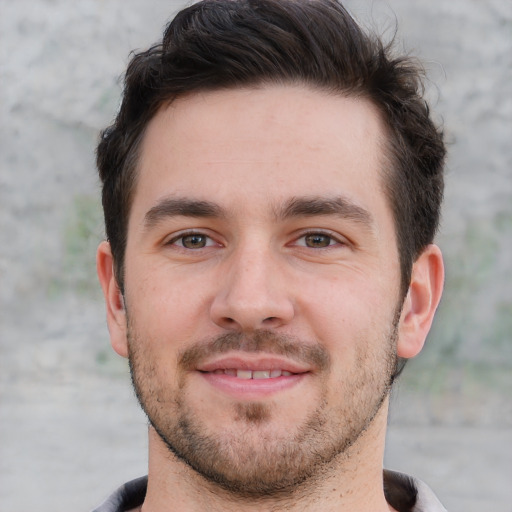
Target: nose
[{"x": 252, "y": 293}]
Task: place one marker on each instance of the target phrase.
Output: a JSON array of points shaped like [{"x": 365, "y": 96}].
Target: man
[{"x": 271, "y": 190}]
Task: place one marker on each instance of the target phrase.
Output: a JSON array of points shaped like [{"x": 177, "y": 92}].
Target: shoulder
[
  {"x": 130, "y": 495},
  {"x": 408, "y": 494}
]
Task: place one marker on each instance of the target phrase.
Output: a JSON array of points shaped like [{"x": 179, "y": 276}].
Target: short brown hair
[{"x": 222, "y": 44}]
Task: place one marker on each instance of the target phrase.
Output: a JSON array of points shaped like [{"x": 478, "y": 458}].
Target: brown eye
[
  {"x": 194, "y": 241},
  {"x": 317, "y": 240}
]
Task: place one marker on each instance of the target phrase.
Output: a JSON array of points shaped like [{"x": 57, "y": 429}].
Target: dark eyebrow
[
  {"x": 338, "y": 206},
  {"x": 173, "y": 207}
]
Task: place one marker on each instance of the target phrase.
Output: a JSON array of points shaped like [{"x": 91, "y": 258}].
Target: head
[
  {"x": 270, "y": 196},
  {"x": 221, "y": 44}
]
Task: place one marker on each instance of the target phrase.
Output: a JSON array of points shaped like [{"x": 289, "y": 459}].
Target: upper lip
[{"x": 255, "y": 362}]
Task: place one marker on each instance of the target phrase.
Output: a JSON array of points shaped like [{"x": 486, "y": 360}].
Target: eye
[
  {"x": 317, "y": 240},
  {"x": 192, "y": 241}
]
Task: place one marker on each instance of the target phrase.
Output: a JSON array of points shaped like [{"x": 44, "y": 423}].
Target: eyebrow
[
  {"x": 337, "y": 206},
  {"x": 293, "y": 208},
  {"x": 174, "y": 207}
]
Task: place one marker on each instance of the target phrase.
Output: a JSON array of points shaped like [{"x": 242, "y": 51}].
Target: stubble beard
[{"x": 249, "y": 459}]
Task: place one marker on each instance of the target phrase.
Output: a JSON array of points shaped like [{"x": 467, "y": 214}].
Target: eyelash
[
  {"x": 182, "y": 236},
  {"x": 333, "y": 240}
]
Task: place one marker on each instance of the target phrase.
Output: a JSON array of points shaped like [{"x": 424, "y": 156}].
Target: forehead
[{"x": 245, "y": 146}]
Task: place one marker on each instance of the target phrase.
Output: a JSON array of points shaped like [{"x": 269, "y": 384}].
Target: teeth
[
  {"x": 256, "y": 374},
  {"x": 265, "y": 374}
]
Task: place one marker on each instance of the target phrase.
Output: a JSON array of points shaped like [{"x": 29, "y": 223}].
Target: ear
[
  {"x": 116, "y": 314},
  {"x": 421, "y": 301}
]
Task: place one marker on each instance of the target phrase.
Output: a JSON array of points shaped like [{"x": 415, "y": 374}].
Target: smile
[
  {"x": 252, "y": 377},
  {"x": 245, "y": 376}
]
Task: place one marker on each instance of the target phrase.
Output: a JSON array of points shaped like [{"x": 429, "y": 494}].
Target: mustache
[{"x": 314, "y": 355}]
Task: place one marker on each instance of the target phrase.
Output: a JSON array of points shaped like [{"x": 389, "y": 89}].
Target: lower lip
[{"x": 251, "y": 389}]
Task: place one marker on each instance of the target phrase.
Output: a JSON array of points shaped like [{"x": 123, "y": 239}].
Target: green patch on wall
[
  {"x": 472, "y": 315},
  {"x": 111, "y": 364},
  {"x": 108, "y": 99},
  {"x": 471, "y": 393},
  {"x": 463, "y": 378},
  {"x": 501, "y": 329},
  {"x": 83, "y": 230}
]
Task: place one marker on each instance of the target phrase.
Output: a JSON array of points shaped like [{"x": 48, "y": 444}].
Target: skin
[{"x": 292, "y": 237}]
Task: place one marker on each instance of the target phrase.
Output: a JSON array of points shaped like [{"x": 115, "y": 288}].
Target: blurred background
[{"x": 70, "y": 429}]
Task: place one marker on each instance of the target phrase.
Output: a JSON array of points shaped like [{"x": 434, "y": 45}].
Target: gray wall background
[{"x": 70, "y": 430}]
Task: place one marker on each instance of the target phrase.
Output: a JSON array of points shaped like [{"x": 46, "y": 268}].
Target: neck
[{"x": 353, "y": 482}]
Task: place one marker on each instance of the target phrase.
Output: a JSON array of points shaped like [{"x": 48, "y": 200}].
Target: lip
[
  {"x": 253, "y": 362},
  {"x": 252, "y": 389}
]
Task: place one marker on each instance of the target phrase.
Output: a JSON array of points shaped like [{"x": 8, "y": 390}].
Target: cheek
[
  {"x": 165, "y": 306},
  {"x": 346, "y": 315},
  {"x": 344, "y": 304}
]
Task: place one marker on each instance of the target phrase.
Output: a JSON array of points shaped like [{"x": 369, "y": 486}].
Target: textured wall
[{"x": 68, "y": 424}]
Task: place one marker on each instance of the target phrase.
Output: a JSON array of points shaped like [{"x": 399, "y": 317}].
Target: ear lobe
[
  {"x": 421, "y": 302},
  {"x": 116, "y": 314}
]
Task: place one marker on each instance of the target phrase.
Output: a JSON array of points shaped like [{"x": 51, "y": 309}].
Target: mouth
[
  {"x": 251, "y": 378},
  {"x": 245, "y": 374}
]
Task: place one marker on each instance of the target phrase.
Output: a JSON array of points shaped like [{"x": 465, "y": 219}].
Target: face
[{"x": 262, "y": 282}]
